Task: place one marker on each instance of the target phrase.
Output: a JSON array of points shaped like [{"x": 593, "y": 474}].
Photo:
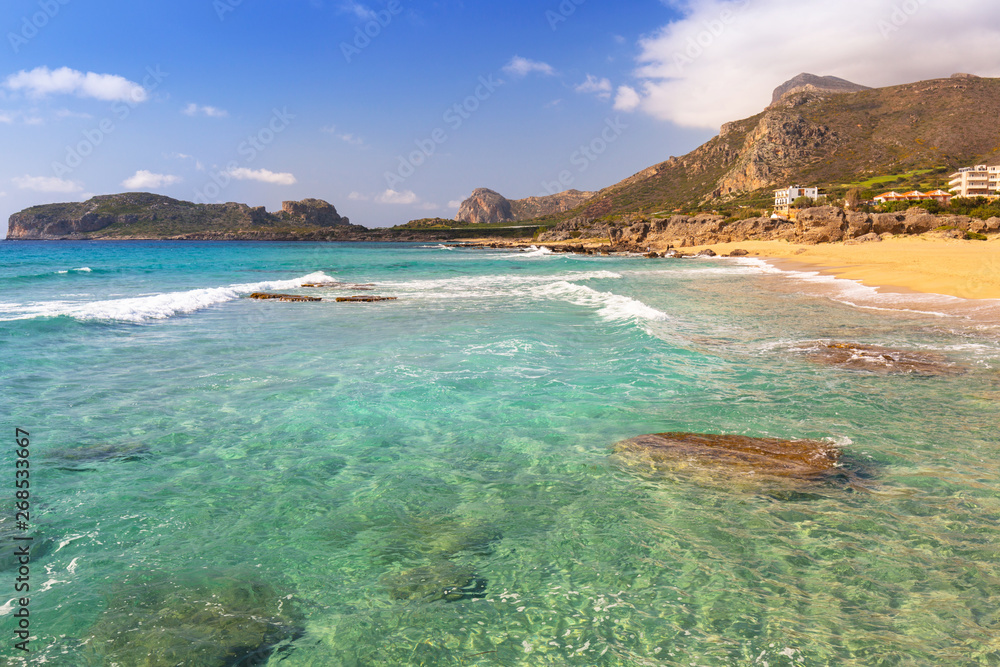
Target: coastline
[{"x": 906, "y": 264}]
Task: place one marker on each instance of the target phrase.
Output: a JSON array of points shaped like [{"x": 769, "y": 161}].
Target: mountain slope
[
  {"x": 486, "y": 206},
  {"x": 820, "y": 138}
]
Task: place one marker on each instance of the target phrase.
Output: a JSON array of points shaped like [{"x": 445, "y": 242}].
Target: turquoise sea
[{"x": 429, "y": 481}]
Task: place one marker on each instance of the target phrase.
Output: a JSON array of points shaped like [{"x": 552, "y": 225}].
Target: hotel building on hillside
[
  {"x": 978, "y": 181},
  {"x": 783, "y": 198},
  {"x": 940, "y": 196}
]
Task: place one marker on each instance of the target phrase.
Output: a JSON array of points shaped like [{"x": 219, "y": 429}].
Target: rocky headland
[{"x": 144, "y": 215}]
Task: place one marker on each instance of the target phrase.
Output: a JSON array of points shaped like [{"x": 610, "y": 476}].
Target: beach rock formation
[
  {"x": 164, "y": 621},
  {"x": 264, "y": 296},
  {"x": 876, "y": 359},
  {"x": 809, "y": 460},
  {"x": 364, "y": 299},
  {"x": 487, "y": 206}
]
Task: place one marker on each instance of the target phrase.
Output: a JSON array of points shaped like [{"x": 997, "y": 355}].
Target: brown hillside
[{"x": 823, "y": 139}]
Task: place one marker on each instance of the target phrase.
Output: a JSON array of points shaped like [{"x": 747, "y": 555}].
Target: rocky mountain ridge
[
  {"x": 141, "y": 214},
  {"x": 817, "y": 137},
  {"x": 485, "y": 206}
]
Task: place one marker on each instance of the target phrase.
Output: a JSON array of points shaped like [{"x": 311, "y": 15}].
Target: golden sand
[{"x": 966, "y": 269}]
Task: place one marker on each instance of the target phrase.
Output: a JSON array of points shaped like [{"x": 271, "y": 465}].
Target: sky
[{"x": 394, "y": 110}]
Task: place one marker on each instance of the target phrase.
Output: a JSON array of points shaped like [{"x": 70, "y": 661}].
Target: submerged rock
[
  {"x": 101, "y": 452},
  {"x": 164, "y": 622},
  {"x": 264, "y": 296},
  {"x": 810, "y": 460},
  {"x": 858, "y": 357},
  {"x": 443, "y": 580},
  {"x": 364, "y": 299}
]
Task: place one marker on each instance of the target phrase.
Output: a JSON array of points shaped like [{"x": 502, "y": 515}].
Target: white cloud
[
  {"x": 455, "y": 203},
  {"x": 599, "y": 87},
  {"x": 361, "y": 11},
  {"x": 6, "y": 118},
  {"x": 427, "y": 206},
  {"x": 347, "y": 138},
  {"x": 178, "y": 156},
  {"x": 66, "y": 113},
  {"x": 390, "y": 196},
  {"x": 46, "y": 184},
  {"x": 724, "y": 58},
  {"x": 357, "y": 196},
  {"x": 3, "y": 194},
  {"x": 627, "y": 99},
  {"x": 520, "y": 67},
  {"x": 146, "y": 179},
  {"x": 42, "y": 81},
  {"x": 193, "y": 109},
  {"x": 262, "y": 175}
]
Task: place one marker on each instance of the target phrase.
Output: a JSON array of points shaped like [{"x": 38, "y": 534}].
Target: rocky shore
[{"x": 822, "y": 224}]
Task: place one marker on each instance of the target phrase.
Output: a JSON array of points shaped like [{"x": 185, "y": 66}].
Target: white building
[
  {"x": 783, "y": 198},
  {"x": 978, "y": 181}
]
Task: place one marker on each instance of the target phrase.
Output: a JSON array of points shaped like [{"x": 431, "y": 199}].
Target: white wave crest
[
  {"x": 154, "y": 307},
  {"x": 534, "y": 251},
  {"x": 610, "y": 307}
]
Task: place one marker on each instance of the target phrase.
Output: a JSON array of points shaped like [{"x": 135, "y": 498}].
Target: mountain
[
  {"x": 487, "y": 206},
  {"x": 821, "y": 138},
  {"x": 811, "y": 83},
  {"x": 145, "y": 215}
]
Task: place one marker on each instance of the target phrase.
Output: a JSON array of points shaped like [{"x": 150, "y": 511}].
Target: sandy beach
[{"x": 965, "y": 269}]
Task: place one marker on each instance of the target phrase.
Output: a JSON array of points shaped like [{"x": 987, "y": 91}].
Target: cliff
[
  {"x": 485, "y": 206},
  {"x": 811, "y": 83},
  {"x": 145, "y": 215}
]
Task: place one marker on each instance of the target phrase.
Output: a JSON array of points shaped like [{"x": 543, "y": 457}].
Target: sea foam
[{"x": 142, "y": 309}]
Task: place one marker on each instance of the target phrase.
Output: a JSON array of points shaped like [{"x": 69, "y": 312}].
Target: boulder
[{"x": 707, "y": 252}]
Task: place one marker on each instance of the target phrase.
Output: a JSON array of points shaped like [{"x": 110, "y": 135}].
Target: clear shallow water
[{"x": 342, "y": 454}]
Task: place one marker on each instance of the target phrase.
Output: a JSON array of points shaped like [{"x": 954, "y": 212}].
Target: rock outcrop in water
[
  {"x": 876, "y": 359},
  {"x": 264, "y": 296},
  {"x": 733, "y": 455}
]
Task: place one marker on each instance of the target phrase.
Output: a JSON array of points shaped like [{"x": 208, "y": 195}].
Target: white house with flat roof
[
  {"x": 783, "y": 198},
  {"x": 978, "y": 181}
]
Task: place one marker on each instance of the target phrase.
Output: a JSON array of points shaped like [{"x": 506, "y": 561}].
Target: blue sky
[{"x": 397, "y": 110}]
